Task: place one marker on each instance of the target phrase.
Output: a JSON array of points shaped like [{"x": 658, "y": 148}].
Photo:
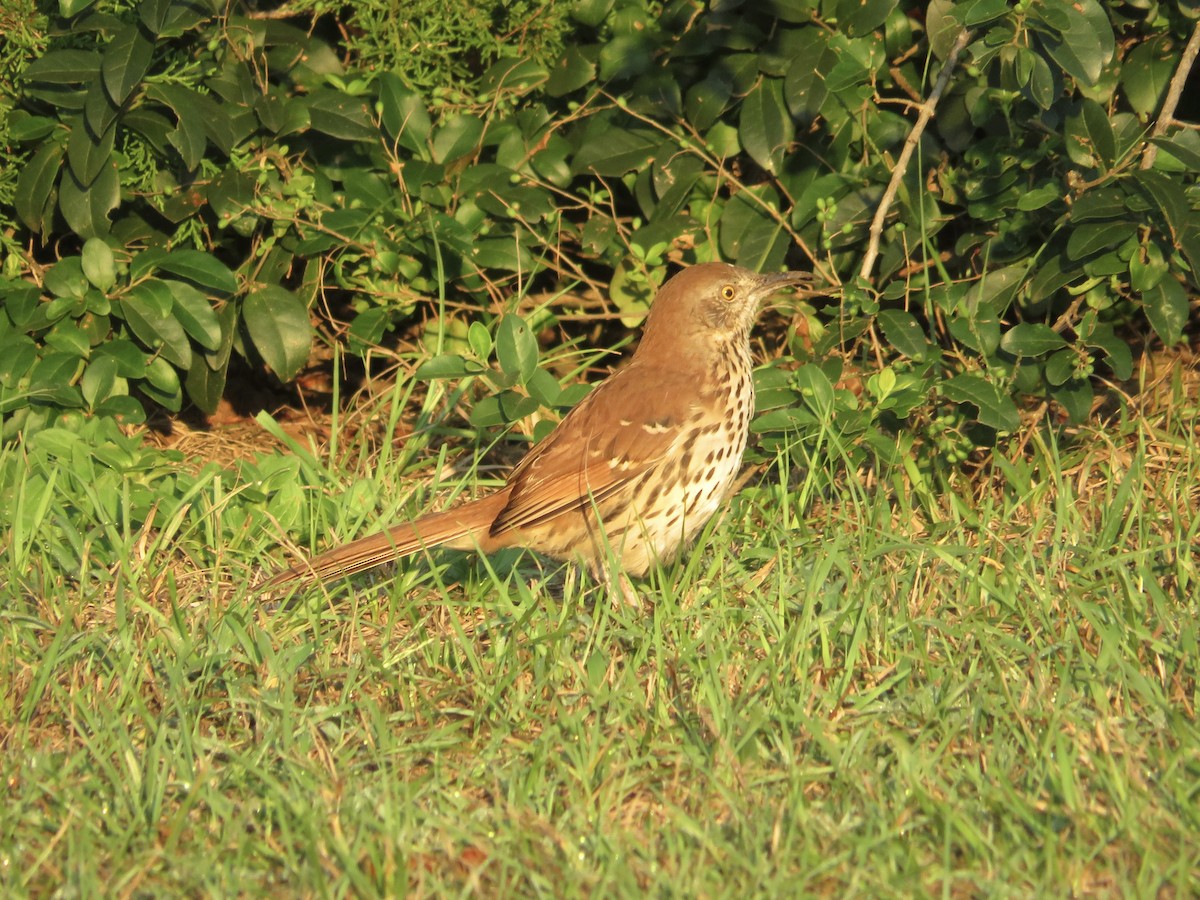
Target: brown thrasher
[{"x": 634, "y": 471}]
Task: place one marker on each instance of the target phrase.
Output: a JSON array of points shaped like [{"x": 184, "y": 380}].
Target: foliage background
[{"x": 191, "y": 185}]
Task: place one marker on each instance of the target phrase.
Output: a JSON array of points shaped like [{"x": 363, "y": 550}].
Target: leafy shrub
[{"x": 192, "y": 182}]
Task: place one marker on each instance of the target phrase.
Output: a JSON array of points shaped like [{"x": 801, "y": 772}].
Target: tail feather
[{"x": 462, "y": 528}]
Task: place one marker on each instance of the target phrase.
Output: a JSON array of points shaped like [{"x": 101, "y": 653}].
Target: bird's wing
[{"x": 620, "y": 430}]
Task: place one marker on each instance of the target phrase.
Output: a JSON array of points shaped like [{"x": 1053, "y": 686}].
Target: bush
[{"x": 190, "y": 183}]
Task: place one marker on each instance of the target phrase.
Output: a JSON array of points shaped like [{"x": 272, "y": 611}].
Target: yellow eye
[{"x": 727, "y": 292}]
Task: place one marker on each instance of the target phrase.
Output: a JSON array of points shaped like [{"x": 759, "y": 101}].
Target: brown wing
[{"x": 621, "y": 429}]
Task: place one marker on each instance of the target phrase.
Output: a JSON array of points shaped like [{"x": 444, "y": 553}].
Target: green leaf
[
  {"x": 196, "y": 315},
  {"x": 1147, "y": 267},
  {"x": 99, "y": 381},
  {"x": 631, "y": 293},
  {"x": 448, "y": 365},
  {"x": 506, "y": 253},
  {"x": 98, "y": 264},
  {"x": 51, "y": 379},
  {"x": 68, "y": 337},
  {"x": 480, "y": 340},
  {"x": 513, "y": 76},
  {"x": 280, "y": 329},
  {"x": 232, "y": 195},
  {"x": 340, "y": 115},
  {"x": 22, "y": 302},
  {"x": 625, "y": 56},
  {"x": 189, "y": 138},
  {"x": 843, "y": 79},
  {"x": 227, "y": 315},
  {"x": 570, "y": 72},
  {"x": 1031, "y": 339},
  {"x": 123, "y": 409},
  {"x": 502, "y": 409},
  {"x": 161, "y": 384},
  {"x": 1167, "y": 308},
  {"x": 197, "y": 119},
  {"x": 205, "y": 384},
  {"x": 194, "y": 265},
  {"x": 591, "y": 12},
  {"x": 35, "y": 184},
  {"x": 68, "y": 9},
  {"x": 226, "y": 130},
  {"x": 152, "y": 297},
  {"x": 980, "y": 333},
  {"x": 550, "y": 161},
  {"x": 749, "y": 235},
  {"x": 1076, "y": 397},
  {"x": 86, "y": 209},
  {"x": 544, "y": 388},
  {"x": 1089, "y": 136},
  {"x": 1117, "y": 353},
  {"x": 1043, "y": 86},
  {"x": 367, "y": 329},
  {"x": 126, "y": 61},
  {"x": 984, "y": 11},
  {"x": 610, "y": 150},
  {"x": 1101, "y": 203},
  {"x": 98, "y": 111},
  {"x": 1169, "y": 195},
  {"x": 181, "y": 17},
  {"x": 707, "y": 99},
  {"x": 1096, "y": 236},
  {"x": 146, "y": 308},
  {"x": 1039, "y": 197},
  {"x": 815, "y": 388},
  {"x": 516, "y": 348},
  {"x": 804, "y": 84},
  {"x": 1085, "y": 42},
  {"x": 904, "y": 332},
  {"x": 24, "y": 127},
  {"x": 457, "y": 137},
  {"x": 860, "y": 17},
  {"x": 996, "y": 409},
  {"x": 943, "y": 26},
  {"x": 995, "y": 289},
  {"x": 63, "y": 67},
  {"x": 1147, "y": 71},
  {"x": 153, "y": 14},
  {"x": 88, "y": 157},
  {"x": 765, "y": 125},
  {"x": 1175, "y": 147},
  {"x": 490, "y": 186},
  {"x": 18, "y": 354},
  {"x": 129, "y": 357},
  {"x": 404, "y": 115}
]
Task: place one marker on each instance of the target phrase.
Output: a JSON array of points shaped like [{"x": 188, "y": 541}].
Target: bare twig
[
  {"x": 1166, "y": 117},
  {"x": 696, "y": 148},
  {"x": 906, "y": 153}
]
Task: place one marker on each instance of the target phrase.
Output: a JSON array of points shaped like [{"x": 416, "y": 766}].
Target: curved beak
[{"x": 770, "y": 283}]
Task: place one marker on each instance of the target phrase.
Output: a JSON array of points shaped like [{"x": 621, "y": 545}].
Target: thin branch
[
  {"x": 910, "y": 144},
  {"x": 1166, "y": 118},
  {"x": 695, "y": 146}
]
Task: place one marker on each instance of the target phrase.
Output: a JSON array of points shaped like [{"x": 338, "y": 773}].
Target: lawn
[{"x": 885, "y": 683}]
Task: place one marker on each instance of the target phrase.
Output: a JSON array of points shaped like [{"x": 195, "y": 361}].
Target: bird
[{"x": 632, "y": 473}]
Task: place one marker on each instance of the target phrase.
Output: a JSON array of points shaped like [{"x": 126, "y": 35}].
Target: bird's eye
[{"x": 727, "y": 292}]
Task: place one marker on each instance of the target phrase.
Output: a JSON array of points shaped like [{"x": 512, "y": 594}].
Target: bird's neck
[{"x": 694, "y": 348}]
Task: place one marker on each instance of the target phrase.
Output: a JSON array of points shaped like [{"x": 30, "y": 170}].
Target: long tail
[{"x": 462, "y": 528}]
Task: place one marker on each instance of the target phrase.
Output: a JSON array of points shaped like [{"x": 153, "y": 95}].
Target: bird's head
[{"x": 710, "y": 303}]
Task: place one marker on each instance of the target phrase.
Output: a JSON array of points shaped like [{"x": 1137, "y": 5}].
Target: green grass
[{"x": 986, "y": 689}]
